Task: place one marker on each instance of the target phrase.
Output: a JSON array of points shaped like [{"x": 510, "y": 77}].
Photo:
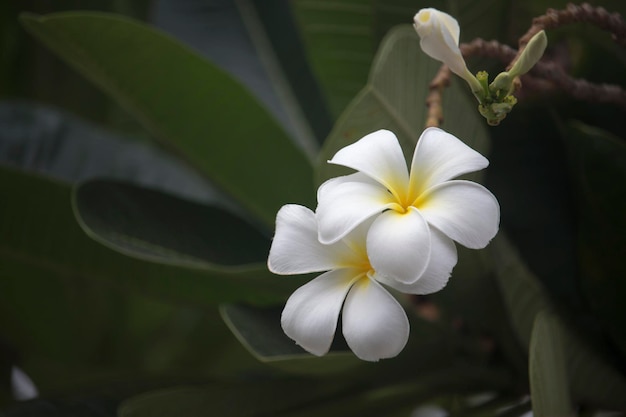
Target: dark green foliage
[{"x": 133, "y": 277}]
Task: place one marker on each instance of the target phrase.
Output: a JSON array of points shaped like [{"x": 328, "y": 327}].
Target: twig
[
  {"x": 434, "y": 117},
  {"x": 577, "y": 88},
  {"x": 598, "y": 16},
  {"x": 543, "y": 74}
]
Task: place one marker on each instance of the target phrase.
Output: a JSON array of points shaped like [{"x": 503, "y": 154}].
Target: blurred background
[{"x": 92, "y": 319}]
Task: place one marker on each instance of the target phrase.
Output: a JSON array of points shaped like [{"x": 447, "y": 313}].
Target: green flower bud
[
  {"x": 502, "y": 83},
  {"x": 530, "y": 55}
]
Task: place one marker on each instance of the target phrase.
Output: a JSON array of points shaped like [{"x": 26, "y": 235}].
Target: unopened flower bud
[
  {"x": 530, "y": 55},
  {"x": 439, "y": 38}
]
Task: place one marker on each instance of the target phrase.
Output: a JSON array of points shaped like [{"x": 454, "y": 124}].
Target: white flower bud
[{"x": 439, "y": 38}]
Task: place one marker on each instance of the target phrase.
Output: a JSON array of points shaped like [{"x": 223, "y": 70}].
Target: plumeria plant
[
  {"x": 241, "y": 220},
  {"x": 439, "y": 33}
]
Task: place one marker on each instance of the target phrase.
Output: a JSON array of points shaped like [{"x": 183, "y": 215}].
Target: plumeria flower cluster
[
  {"x": 439, "y": 38},
  {"x": 383, "y": 226}
]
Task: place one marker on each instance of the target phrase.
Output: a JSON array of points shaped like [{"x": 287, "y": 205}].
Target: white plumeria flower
[
  {"x": 439, "y": 38},
  {"x": 416, "y": 216},
  {"x": 374, "y": 324}
]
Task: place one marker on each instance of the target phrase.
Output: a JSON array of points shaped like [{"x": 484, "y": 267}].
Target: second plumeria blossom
[
  {"x": 374, "y": 324},
  {"x": 416, "y": 215}
]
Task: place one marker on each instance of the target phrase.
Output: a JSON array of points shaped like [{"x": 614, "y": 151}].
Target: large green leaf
[
  {"x": 598, "y": 169},
  {"x": 394, "y": 98},
  {"x": 187, "y": 103},
  {"x": 593, "y": 379},
  {"x": 549, "y": 387},
  {"x": 80, "y": 313},
  {"x": 342, "y": 36},
  {"x": 51, "y": 142},
  {"x": 287, "y": 48},
  {"x": 152, "y": 225},
  {"x": 255, "y": 399},
  {"x": 257, "y": 43},
  {"x": 41, "y": 234},
  {"x": 522, "y": 293},
  {"x": 258, "y": 329},
  {"x": 402, "y": 397},
  {"x": 302, "y": 397}
]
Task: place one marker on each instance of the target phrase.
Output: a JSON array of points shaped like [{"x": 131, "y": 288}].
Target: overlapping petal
[
  {"x": 345, "y": 204},
  {"x": 311, "y": 313},
  {"x": 464, "y": 211},
  {"x": 333, "y": 182},
  {"x": 450, "y": 24},
  {"x": 443, "y": 258},
  {"x": 399, "y": 244},
  {"x": 379, "y": 156},
  {"x": 374, "y": 324},
  {"x": 295, "y": 248},
  {"x": 440, "y": 156}
]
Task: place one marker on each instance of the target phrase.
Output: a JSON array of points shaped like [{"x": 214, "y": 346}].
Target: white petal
[
  {"x": 450, "y": 24},
  {"x": 295, "y": 248},
  {"x": 464, "y": 211},
  {"x": 311, "y": 313},
  {"x": 429, "y": 19},
  {"x": 378, "y": 155},
  {"x": 22, "y": 387},
  {"x": 374, "y": 324},
  {"x": 356, "y": 177},
  {"x": 443, "y": 258},
  {"x": 440, "y": 156},
  {"x": 343, "y": 205},
  {"x": 398, "y": 245}
]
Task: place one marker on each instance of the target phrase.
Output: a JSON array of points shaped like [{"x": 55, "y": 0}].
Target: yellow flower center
[
  {"x": 424, "y": 16},
  {"x": 402, "y": 202}
]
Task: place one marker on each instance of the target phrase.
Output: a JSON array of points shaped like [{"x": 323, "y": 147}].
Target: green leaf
[
  {"x": 262, "y": 398},
  {"x": 549, "y": 387},
  {"x": 402, "y": 397},
  {"x": 45, "y": 140},
  {"x": 341, "y": 37},
  {"x": 271, "y": 27},
  {"x": 41, "y": 234},
  {"x": 152, "y": 225},
  {"x": 85, "y": 407},
  {"x": 592, "y": 378},
  {"x": 187, "y": 103},
  {"x": 394, "y": 99},
  {"x": 522, "y": 293},
  {"x": 258, "y": 329},
  {"x": 598, "y": 169}
]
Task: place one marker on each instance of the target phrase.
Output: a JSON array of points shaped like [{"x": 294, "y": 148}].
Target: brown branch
[
  {"x": 598, "y": 16},
  {"x": 544, "y": 75},
  {"x": 577, "y": 88},
  {"x": 434, "y": 117}
]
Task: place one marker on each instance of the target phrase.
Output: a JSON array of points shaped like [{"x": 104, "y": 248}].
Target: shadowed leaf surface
[
  {"x": 152, "y": 225},
  {"x": 598, "y": 167},
  {"x": 341, "y": 37},
  {"x": 197, "y": 109},
  {"x": 549, "y": 388},
  {"x": 394, "y": 99},
  {"x": 593, "y": 379},
  {"x": 39, "y": 226}
]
